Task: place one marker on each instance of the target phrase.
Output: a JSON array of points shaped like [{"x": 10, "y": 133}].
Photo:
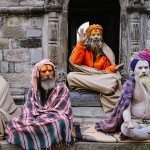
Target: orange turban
[{"x": 94, "y": 26}]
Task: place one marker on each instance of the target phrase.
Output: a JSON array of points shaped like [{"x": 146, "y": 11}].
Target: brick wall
[{"x": 20, "y": 48}]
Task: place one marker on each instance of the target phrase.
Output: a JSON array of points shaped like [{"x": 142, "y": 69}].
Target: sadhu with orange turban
[
  {"x": 96, "y": 63},
  {"x": 92, "y": 27}
]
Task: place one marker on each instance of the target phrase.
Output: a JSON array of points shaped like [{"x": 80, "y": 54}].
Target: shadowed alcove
[{"x": 103, "y": 12}]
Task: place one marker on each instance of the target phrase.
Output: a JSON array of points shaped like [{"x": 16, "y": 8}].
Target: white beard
[
  {"x": 48, "y": 84},
  {"x": 144, "y": 82}
]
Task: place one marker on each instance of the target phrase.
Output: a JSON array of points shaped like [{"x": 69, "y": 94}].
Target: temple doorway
[{"x": 103, "y": 12}]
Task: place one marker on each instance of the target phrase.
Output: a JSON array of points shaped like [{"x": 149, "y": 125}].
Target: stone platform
[
  {"x": 87, "y": 108},
  {"x": 91, "y": 146}
]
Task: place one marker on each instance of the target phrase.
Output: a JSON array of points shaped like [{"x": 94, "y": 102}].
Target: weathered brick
[
  {"x": 9, "y": 3},
  {"x": 36, "y": 55},
  {"x": 1, "y": 55},
  {"x": 16, "y": 55},
  {"x": 38, "y": 22},
  {"x": 1, "y": 22},
  {"x": 13, "y": 32},
  {"x": 147, "y": 43},
  {"x": 0, "y": 32},
  {"x": 23, "y": 67},
  {"x": 16, "y": 91},
  {"x": 31, "y": 43},
  {"x": 4, "y": 43},
  {"x": 33, "y": 33},
  {"x": 15, "y": 43},
  {"x": 31, "y": 3},
  {"x": 13, "y": 21},
  {"x": 4, "y": 67},
  {"x": 27, "y": 22},
  {"x": 11, "y": 67},
  {"x": 17, "y": 80}
]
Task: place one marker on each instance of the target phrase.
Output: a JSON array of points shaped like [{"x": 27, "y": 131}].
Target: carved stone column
[
  {"x": 53, "y": 38},
  {"x": 133, "y": 29},
  {"x": 134, "y": 32}
]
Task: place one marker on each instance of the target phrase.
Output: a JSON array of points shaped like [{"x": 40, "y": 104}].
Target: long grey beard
[
  {"x": 95, "y": 46},
  {"x": 48, "y": 84},
  {"x": 144, "y": 82}
]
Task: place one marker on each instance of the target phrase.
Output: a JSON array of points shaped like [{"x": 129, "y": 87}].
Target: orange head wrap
[{"x": 94, "y": 26}]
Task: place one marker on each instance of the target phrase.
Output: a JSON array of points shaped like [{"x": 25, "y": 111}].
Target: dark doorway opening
[{"x": 103, "y": 12}]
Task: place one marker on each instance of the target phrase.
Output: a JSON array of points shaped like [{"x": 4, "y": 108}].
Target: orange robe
[{"x": 82, "y": 56}]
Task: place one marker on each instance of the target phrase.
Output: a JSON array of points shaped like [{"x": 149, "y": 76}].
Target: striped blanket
[
  {"x": 113, "y": 123},
  {"x": 38, "y": 127}
]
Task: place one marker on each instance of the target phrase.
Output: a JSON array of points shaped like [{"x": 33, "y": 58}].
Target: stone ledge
[
  {"x": 21, "y": 10},
  {"x": 91, "y": 146},
  {"x": 78, "y": 99},
  {"x": 30, "y": 9},
  {"x": 112, "y": 146},
  {"x": 85, "y": 99}
]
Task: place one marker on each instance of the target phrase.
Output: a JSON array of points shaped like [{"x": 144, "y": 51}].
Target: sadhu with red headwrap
[
  {"x": 131, "y": 114},
  {"x": 96, "y": 63},
  {"x": 46, "y": 117}
]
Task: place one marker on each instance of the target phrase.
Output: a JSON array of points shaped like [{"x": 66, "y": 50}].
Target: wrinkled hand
[
  {"x": 119, "y": 67},
  {"x": 82, "y": 36},
  {"x": 130, "y": 125}
]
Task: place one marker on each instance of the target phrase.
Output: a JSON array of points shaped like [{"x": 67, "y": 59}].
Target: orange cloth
[
  {"x": 81, "y": 56},
  {"x": 94, "y": 26}
]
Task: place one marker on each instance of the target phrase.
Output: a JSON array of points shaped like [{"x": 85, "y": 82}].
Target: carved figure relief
[{"x": 136, "y": 2}]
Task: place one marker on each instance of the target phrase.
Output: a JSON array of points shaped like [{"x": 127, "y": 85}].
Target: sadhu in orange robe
[
  {"x": 81, "y": 56},
  {"x": 99, "y": 75}
]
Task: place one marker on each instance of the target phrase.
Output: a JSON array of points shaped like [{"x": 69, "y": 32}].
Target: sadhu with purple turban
[
  {"x": 96, "y": 63},
  {"x": 135, "y": 96},
  {"x": 46, "y": 117}
]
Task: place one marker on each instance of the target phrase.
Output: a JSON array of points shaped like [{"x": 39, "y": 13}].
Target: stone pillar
[
  {"x": 54, "y": 36},
  {"x": 135, "y": 32}
]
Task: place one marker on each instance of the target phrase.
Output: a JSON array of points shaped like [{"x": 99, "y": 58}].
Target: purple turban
[
  {"x": 141, "y": 55},
  {"x": 145, "y": 54}
]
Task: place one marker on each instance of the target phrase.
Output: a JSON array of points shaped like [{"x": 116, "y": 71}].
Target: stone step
[
  {"x": 78, "y": 99},
  {"x": 91, "y": 146},
  {"x": 85, "y": 99},
  {"x": 86, "y": 106},
  {"x": 110, "y": 146},
  {"x": 88, "y": 114}
]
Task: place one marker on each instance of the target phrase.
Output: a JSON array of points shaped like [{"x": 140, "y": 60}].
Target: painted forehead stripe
[{"x": 46, "y": 67}]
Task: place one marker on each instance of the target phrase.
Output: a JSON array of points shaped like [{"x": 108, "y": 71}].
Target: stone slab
[
  {"x": 85, "y": 98},
  {"x": 91, "y": 146}
]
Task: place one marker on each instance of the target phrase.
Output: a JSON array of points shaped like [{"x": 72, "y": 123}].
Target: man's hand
[
  {"x": 129, "y": 125},
  {"x": 82, "y": 36},
  {"x": 119, "y": 67}
]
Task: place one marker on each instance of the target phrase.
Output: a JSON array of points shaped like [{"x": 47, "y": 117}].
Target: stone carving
[
  {"x": 53, "y": 2},
  {"x": 53, "y": 28},
  {"x": 53, "y": 32},
  {"x": 136, "y": 2},
  {"x": 135, "y": 32},
  {"x": 53, "y": 5},
  {"x": 62, "y": 77}
]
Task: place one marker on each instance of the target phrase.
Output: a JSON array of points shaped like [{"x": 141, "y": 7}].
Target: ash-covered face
[
  {"x": 142, "y": 76},
  {"x": 142, "y": 68}
]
